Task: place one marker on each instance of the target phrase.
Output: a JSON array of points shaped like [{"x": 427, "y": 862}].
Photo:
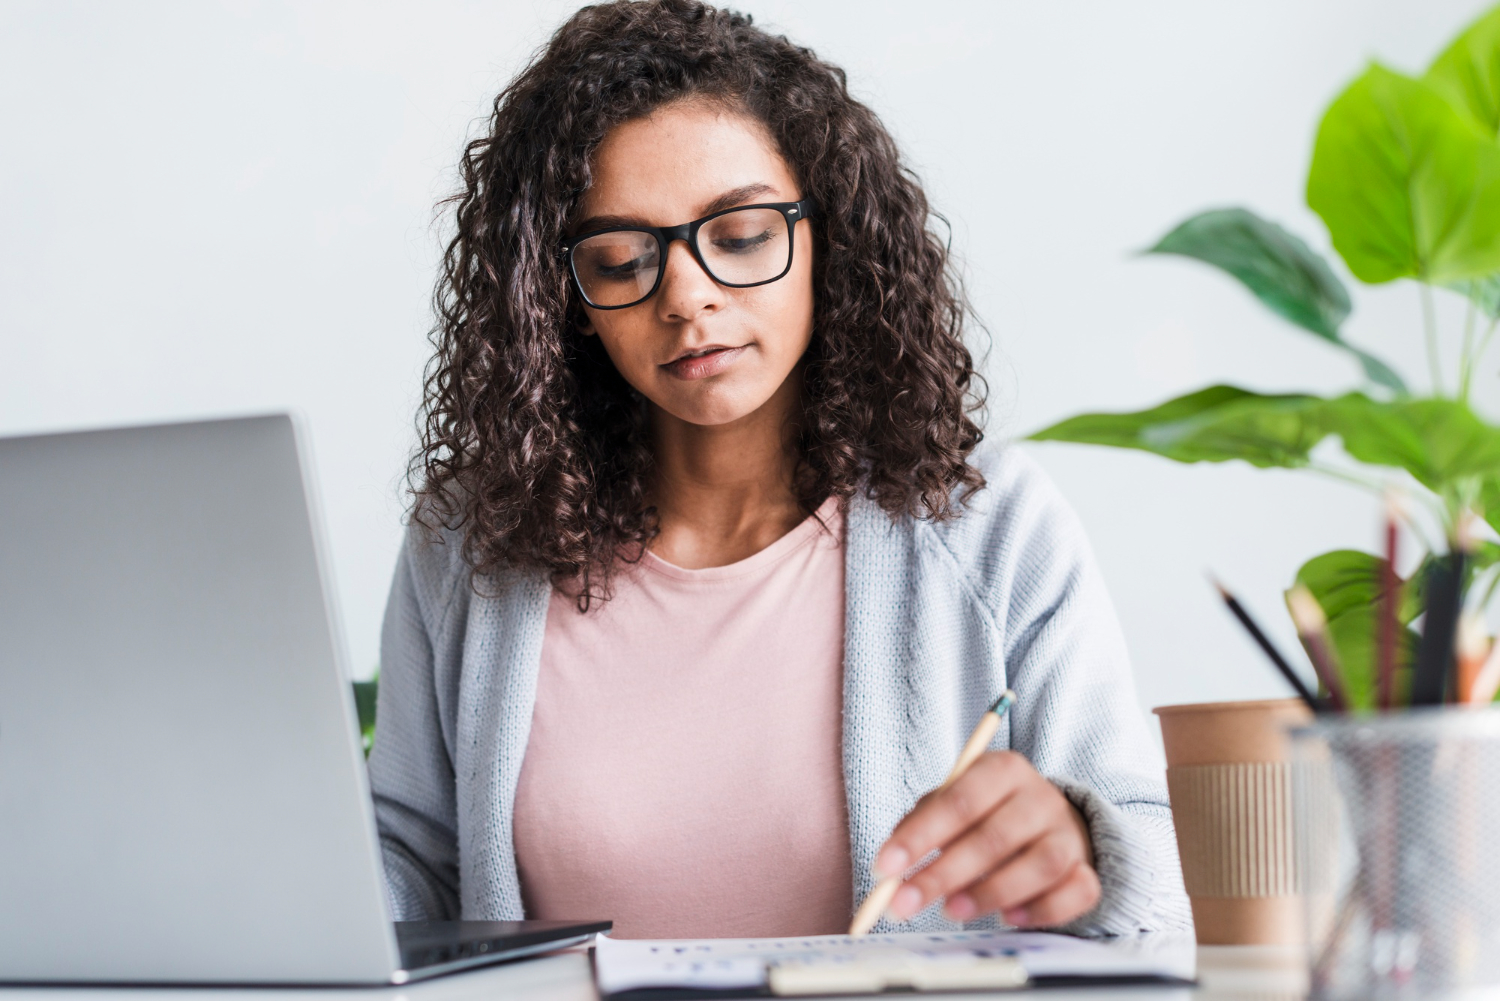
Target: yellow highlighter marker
[{"x": 880, "y": 898}]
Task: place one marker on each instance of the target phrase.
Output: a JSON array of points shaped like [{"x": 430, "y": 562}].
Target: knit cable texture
[{"x": 939, "y": 617}]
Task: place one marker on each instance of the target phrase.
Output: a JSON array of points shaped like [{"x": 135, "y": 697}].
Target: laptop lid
[
  {"x": 432, "y": 948},
  {"x": 182, "y": 795}
]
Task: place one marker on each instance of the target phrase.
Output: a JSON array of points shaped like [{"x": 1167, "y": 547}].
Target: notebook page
[{"x": 740, "y": 963}]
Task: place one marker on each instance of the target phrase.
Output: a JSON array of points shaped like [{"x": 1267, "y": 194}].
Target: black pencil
[
  {"x": 1290, "y": 675},
  {"x": 1430, "y": 680}
]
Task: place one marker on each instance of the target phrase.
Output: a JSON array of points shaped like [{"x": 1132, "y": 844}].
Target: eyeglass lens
[{"x": 743, "y": 247}]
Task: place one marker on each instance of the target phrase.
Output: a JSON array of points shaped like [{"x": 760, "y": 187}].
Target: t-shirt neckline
[{"x": 805, "y": 532}]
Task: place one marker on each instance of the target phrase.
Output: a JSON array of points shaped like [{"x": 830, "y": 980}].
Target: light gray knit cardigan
[{"x": 939, "y": 618}]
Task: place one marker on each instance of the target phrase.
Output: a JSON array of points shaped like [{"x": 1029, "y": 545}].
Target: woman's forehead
[{"x": 664, "y": 168}]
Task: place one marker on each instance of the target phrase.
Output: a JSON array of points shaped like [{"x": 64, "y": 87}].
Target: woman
[{"x": 707, "y": 580}]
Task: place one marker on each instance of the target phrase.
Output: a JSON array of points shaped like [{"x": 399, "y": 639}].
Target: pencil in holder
[{"x": 1397, "y": 819}]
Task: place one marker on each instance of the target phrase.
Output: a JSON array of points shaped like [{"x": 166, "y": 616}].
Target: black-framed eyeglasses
[{"x": 741, "y": 247}]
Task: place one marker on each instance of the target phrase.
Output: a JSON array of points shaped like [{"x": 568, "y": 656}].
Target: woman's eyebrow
[{"x": 728, "y": 199}]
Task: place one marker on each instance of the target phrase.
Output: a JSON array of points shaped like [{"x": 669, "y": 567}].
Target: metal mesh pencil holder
[{"x": 1397, "y": 821}]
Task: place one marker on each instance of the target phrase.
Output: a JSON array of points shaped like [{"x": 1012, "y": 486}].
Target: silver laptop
[{"x": 183, "y": 794}]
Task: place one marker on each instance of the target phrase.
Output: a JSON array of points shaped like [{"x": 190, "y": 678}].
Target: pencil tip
[{"x": 1223, "y": 591}]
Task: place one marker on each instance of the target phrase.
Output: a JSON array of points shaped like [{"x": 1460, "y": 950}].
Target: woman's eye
[
  {"x": 743, "y": 244},
  {"x": 624, "y": 271}
]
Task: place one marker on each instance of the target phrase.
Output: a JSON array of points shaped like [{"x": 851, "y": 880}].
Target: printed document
[{"x": 741, "y": 964}]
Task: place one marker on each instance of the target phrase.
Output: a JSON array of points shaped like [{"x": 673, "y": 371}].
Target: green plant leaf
[
  {"x": 1349, "y": 585},
  {"x": 1347, "y": 578},
  {"x": 1489, "y": 500},
  {"x": 1355, "y": 638},
  {"x": 1212, "y": 425},
  {"x": 1343, "y": 579},
  {"x": 1439, "y": 441},
  {"x": 1376, "y": 370},
  {"x": 1280, "y": 270},
  {"x": 1408, "y": 185},
  {"x": 365, "y": 694},
  {"x": 1484, "y": 555},
  {"x": 1484, "y": 293},
  {"x": 1414, "y": 591},
  {"x": 1467, "y": 73}
]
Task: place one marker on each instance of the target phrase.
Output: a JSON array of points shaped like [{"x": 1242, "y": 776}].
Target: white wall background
[{"x": 220, "y": 208}]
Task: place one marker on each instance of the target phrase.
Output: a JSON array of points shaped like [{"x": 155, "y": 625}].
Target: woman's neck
[{"x": 723, "y": 493}]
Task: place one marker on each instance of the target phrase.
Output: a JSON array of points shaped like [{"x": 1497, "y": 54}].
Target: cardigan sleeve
[
  {"x": 411, "y": 767},
  {"x": 1077, "y": 718}
]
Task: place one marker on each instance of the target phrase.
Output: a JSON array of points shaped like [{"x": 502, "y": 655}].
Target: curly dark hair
[{"x": 534, "y": 444}]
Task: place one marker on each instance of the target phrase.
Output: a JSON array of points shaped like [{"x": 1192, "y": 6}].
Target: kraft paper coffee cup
[{"x": 1229, "y": 774}]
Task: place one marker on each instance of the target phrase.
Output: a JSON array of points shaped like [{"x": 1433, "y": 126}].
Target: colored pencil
[
  {"x": 1487, "y": 681},
  {"x": 880, "y": 898},
  {"x": 1312, "y": 628},
  {"x": 1473, "y": 650},
  {"x": 1390, "y": 601},
  {"x": 1274, "y": 655}
]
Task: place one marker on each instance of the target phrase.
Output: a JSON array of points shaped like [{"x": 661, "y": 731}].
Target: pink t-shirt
[{"x": 684, "y": 774}]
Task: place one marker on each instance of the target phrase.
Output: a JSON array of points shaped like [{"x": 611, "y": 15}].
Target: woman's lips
[{"x": 704, "y": 365}]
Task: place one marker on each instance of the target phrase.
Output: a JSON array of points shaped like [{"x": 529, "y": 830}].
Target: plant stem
[
  {"x": 1466, "y": 356},
  {"x": 1484, "y": 342},
  {"x": 1436, "y": 506},
  {"x": 1429, "y": 326},
  {"x": 1415, "y": 527},
  {"x": 1374, "y": 486}
]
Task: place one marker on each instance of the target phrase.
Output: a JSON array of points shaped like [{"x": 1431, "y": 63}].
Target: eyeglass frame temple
[{"x": 688, "y": 233}]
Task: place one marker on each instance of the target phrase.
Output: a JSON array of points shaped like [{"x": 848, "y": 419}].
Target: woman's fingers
[
  {"x": 1009, "y": 841},
  {"x": 941, "y": 816},
  {"x": 1008, "y": 829},
  {"x": 1077, "y": 895},
  {"x": 1045, "y": 864},
  {"x": 1048, "y": 884}
]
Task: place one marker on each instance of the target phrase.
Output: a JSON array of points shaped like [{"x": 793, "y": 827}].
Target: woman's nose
[{"x": 686, "y": 289}]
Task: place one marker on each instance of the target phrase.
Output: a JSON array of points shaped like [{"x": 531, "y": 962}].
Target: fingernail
[
  {"x": 893, "y": 860},
  {"x": 906, "y": 902},
  {"x": 1017, "y": 916},
  {"x": 961, "y": 907}
]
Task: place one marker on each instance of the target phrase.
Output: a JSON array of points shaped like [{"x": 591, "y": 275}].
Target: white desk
[{"x": 1227, "y": 972}]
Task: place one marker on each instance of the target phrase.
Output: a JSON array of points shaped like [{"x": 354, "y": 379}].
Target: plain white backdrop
[{"x": 223, "y": 208}]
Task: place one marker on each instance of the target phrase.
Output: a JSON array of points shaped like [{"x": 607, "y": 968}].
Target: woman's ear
[{"x": 582, "y": 321}]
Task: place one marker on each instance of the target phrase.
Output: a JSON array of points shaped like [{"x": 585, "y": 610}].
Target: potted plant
[{"x": 1405, "y": 174}]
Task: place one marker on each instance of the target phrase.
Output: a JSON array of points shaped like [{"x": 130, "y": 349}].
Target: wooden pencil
[
  {"x": 880, "y": 898},
  {"x": 1312, "y": 627},
  {"x": 1487, "y": 681},
  {"x": 1473, "y": 650}
]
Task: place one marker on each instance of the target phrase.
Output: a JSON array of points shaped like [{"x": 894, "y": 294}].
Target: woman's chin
[{"x": 712, "y": 406}]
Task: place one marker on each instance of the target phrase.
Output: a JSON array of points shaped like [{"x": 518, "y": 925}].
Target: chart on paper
[{"x": 744, "y": 966}]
